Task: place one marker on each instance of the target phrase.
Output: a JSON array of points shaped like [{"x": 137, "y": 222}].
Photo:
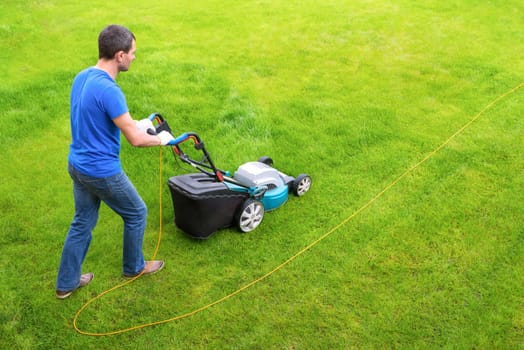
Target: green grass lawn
[{"x": 353, "y": 93}]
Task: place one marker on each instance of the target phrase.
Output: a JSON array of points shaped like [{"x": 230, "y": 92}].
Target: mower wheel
[
  {"x": 301, "y": 185},
  {"x": 250, "y": 215},
  {"x": 266, "y": 160}
]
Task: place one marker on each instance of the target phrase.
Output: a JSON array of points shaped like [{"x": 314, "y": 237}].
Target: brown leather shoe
[
  {"x": 152, "y": 266},
  {"x": 84, "y": 281}
]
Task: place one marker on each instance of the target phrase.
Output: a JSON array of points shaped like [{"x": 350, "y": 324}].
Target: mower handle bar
[{"x": 162, "y": 125}]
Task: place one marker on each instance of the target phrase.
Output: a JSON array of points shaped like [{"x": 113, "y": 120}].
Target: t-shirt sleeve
[{"x": 114, "y": 102}]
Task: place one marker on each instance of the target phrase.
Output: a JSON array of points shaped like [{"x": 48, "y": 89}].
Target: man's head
[{"x": 117, "y": 42}]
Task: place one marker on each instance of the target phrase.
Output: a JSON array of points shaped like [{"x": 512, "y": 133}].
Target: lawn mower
[{"x": 212, "y": 199}]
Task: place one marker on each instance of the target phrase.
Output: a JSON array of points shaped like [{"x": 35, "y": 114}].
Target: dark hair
[{"x": 112, "y": 39}]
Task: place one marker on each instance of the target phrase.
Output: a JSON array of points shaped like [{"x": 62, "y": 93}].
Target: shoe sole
[
  {"x": 63, "y": 296},
  {"x": 68, "y": 294},
  {"x": 144, "y": 273}
]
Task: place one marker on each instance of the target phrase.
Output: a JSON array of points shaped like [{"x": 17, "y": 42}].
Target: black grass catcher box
[{"x": 203, "y": 205}]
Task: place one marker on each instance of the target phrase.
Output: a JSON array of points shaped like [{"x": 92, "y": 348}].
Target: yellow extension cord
[{"x": 302, "y": 251}]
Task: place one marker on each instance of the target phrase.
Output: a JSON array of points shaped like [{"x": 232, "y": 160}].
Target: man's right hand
[{"x": 165, "y": 137}]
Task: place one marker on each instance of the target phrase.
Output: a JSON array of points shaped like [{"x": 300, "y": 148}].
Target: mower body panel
[
  {"x": 275, "y": 198},
  {"x": 260, "y": 175},
  {"x": 256, "y": 174}
]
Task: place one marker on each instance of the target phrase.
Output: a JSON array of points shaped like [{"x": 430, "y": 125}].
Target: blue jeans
[{"x": 121, "y": 196}]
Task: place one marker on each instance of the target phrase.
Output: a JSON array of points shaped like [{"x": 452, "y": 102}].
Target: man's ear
[{"x": 119, "y": 56}]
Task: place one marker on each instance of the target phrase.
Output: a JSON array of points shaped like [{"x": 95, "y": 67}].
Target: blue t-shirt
[{"x": 96, "y": 100}]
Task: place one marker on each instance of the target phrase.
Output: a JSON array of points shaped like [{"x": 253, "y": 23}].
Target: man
[{"x": 98, "y": 115}]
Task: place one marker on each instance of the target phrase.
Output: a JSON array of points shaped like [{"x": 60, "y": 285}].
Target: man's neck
[{"x": 109, "y": 67}]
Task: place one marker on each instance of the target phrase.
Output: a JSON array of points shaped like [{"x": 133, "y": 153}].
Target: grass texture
[{"x": 352, "y": 93}]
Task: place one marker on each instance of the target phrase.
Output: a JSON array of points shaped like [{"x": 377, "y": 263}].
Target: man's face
[{"x": 125, "y": 58}]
